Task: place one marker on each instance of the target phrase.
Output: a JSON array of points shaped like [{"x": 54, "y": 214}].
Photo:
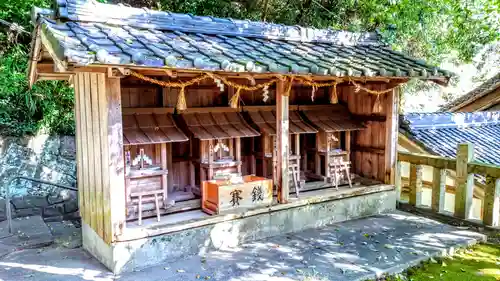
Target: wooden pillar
[
  {"x": 398, "y": 183},
  {"x": 416, "y": 185},
  {"x": 164, "y": 166},
  {"x": 192, "y": 169},
  {"x": 297, "y": 151},
  {"x": 348, "y": 145},
  {"x": 283, "y": 145},
  {"x": 491, "y": 208},
  {"x": 438, "y": 189},
  {"x": 238, "y": 153},
  {"x": 252, "y": 157},
  {"x": 265, "y": 144},
  {"x": 464, "y": 182},
  {"x": 100, "y": 161},
  {"x": 317, "y": 156},
  {"x": 391, "y": 135}
]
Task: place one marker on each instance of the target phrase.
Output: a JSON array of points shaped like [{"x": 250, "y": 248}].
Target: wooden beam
[
  {"x": 398, "y": 181},
  {"x": 428, "y": 160},
  {"x": 97, "y": 89},
  {"x": 416, "y": 185},
  {"x": 438, "y": 190},
  {"x": 59, "y": 65},
  {"x": 464, "y": 182},
  {"x": 283, "y": 145},
  {"x": 35, "y": 52},
  {"x": 491, "y": 208},
  {"x": 391, "y": 135}
]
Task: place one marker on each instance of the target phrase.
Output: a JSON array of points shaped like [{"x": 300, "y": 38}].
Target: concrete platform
[
  {"x": 351, "y": 251},
  {"x": 155, "y": 243}
]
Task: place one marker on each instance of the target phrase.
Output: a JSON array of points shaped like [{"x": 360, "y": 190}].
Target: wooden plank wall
[
  {"x": 369, "y": 155},
  {"x": 101, "y": 183},
  {"x": 368, "y": 145}
]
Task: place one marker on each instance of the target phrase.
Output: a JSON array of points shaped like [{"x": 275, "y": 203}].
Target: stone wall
[{"x": 50, "y": 158}]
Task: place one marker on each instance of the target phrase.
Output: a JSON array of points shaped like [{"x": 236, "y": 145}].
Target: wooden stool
[
  {"x": 294, "y": 172},
  {"x": 139, "y": 195},
  {"x": 336, "y": 168}
]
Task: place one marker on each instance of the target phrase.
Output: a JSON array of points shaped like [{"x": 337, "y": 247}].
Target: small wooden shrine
[
  {"x": 204, "y": 124},
  {"x": 332, "y": 148},
  {"x": 147, "y": 141},
  {"x": 264, "y": 118},
  {"x": 215, "y": 142}
]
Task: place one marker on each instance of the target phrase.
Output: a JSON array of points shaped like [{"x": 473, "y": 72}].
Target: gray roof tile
[
  {"x": 487, "y": 87},
  {"x": 91, "y": 32},
  {"x": 440, "y": 133}
]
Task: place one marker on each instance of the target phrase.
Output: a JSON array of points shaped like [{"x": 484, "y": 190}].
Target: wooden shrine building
[{"x": 192, "y": 132}]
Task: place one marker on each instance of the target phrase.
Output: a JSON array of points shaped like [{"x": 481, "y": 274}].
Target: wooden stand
[
  {"x": 217, "y": 156},
  {"x": 264, "y": 118}
]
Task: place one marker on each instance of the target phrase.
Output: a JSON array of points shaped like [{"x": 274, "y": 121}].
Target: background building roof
[
  {"x": 487, "y": 87},
  {"x": 440, "y": 133}
]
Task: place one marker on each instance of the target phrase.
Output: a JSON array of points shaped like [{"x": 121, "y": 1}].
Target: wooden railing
[{"x": 465, "y": 168}]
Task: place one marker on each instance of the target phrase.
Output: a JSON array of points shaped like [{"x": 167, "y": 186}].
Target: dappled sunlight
[{"x": 85, "y": 274}]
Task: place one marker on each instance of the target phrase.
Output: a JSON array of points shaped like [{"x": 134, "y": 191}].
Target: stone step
[{"x": 28, "y": 233}]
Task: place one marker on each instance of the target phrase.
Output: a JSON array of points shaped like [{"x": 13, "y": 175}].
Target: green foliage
[
  {"x": 48, "y": 106},
  {"x": 431, "y": 29},
  {"x": 480, "y": 263}
]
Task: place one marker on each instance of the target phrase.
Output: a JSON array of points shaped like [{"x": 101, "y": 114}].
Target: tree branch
[{"x": 14, "y": 27}]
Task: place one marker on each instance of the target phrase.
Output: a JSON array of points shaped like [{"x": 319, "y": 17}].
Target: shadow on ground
[{"x": 353, "y": 250}]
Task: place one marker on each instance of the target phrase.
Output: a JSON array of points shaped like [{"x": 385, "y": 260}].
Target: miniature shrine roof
[
  {"x": 332, "y": 118},
  {"x": 217, "y": 125},
  {"x": 266, "y": 121},
  {"x": 150, "y": 128},
  {"x": 86, "y": 32},
  {"x": 440, "y": 133}
]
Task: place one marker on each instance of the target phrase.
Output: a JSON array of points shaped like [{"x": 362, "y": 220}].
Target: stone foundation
[
  {"x": 50, "y": 158},
  {"x": 140, "y": 253}
]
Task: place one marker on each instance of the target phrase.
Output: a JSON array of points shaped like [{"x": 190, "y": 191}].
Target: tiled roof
[
  {"x": 332, "y": 118},
  {"x": 266, "y": 122},
  {"x": 217, "y": 125},
  {"x": 440, "y": 133},
  {"x": 151, "y": 128},
  {"x": 487, "y": 87},
  {"x": 87, "y": 32}
]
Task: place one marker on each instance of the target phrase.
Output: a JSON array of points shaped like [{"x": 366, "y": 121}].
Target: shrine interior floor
[
  {"x": 353, "y": 250},
  {"x": 312, "y": 190}
]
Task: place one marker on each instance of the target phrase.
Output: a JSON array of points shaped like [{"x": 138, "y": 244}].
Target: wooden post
[
  {"x": 192, "y": 180},
  {"x": 115, "y": 193},
  {"x": 282, "y": 142},
  {"x": 317, "y": 156},
  {"x": 464, "y": 182},
  {"x": 438, "y": 189},
  {"x": 348, "y": 145},
  {"x": 252, "y": 157},
  {"x": 100, "y": 158},
  {"x": 164, "y": 166},
  {"x": 416, "y": 185},
  {"x": 398, "y": 185},
  {"x": 238, "y": 152},
  {"x": 491, "y": 208},
  {"x": 391, "y": 135}
]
